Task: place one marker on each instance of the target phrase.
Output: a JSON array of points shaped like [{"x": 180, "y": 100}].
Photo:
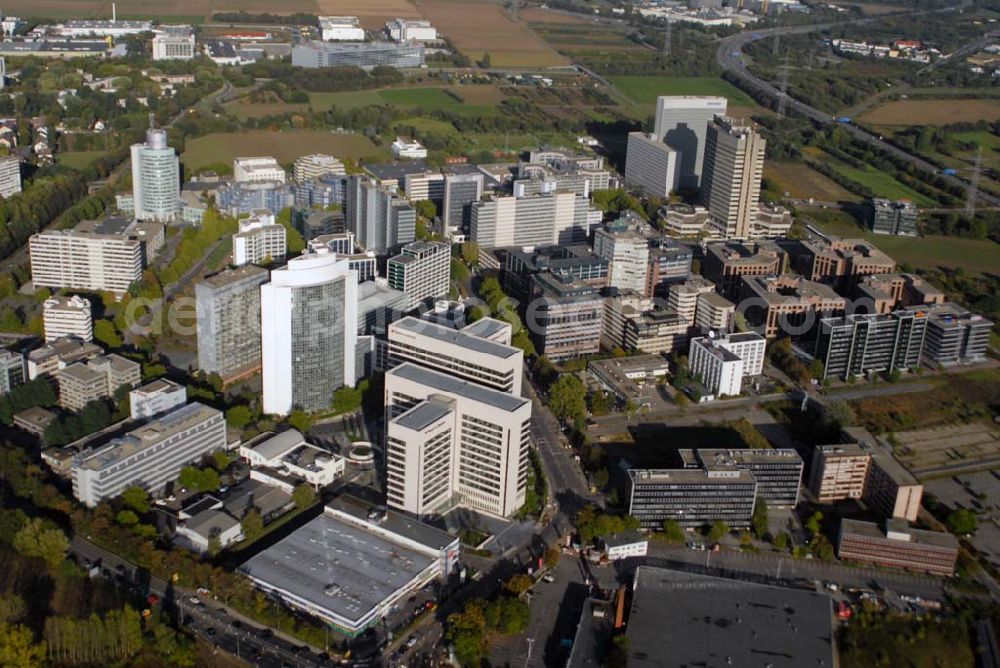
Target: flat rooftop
[
  {"x": 396, "y": 171},
  {"x": 725, "y": 457},
  {"x": 229, "y": 276},
  {"x": 938, "y": 539},
  {"x": 423, "y": 415},
  {"x": 455, "y": 337},
  {"x": 451, "y": 384},
  {"x": 682, "y": 619},
  {"x": 689, "y": 477},
  {"x": 394, "y": 522}
]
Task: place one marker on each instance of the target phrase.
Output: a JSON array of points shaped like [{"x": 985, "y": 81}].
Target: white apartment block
[
  {"x": 257, "y": 170},
  {"x": 714, "y": 312},
  {"x": 411, "y": 30},
  {"x": 424, "y": 185},
  {"x": 316, "y": 165},
  {"x": 682, "y": 123},
  {"x": 451, "y": 442},
  {"x": 259, "y": 240},
  {"x": 85, "y": 261},
  {"x": 100, "y": 377},
  {"x": 733, "y": 170},
  {"x": 408, "y": 148},
  {"x": 155, "y": 398},
  {"x": 173, "y": 46},
  {"x": 627, "y": 253},
  {"x": 651, "y": 165},
  {"x": 721, "y": 371},
  {"x": 149, "y": 456},
  {"x": 457, "y": 353},
  {"x": 683, "y": 297},
  {"x": 541, "y": 220},
  {"x": 683, "y": 220},
  {"x": 10, "y": 176},
  {"x": 422, "y": 271},
  {"x": 340, "y": 29},
  {"x": 67, "y": 316},
  {"x": 749, "y": 347}
]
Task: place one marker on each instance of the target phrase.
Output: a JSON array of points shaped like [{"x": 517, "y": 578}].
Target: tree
[
  {"x": 783, "y": 540},
  {"x": 304, "y": 495},
  {"x": 523, "y": 341},
  {"x": 12, "y": 609},
  {"x": 673, "y": 532},
  {"x": 300, "y": 420},
  {"x": 137, "y": 499},
  {"x": 470, "y": 253},
  {"x": 839, "y": 414},
  {"x": 238, "y": 417},
  {"x": 518, "y": 584},
  {"x": 486, "y": 62},
  {"x": 718, "y": 531},
  {"x": 18, "y": 648},
  {"x": 253, "y": 525},
  {"x": 126, "y": 518},
  {"x": 347, "y": 399},
  {"x": 552, "y": 556},
  {"x": 221, "y": 460},
  {"x": 106, "y": 334},
  {"x": 568, "y": 398},
  {"x": 426, "y": 208},
  {"x": 962, "y": 522},
  {"x": 759, "y": 518},
  {"x": 814, "y": 525},
  {"x": 39, "y": 539}
]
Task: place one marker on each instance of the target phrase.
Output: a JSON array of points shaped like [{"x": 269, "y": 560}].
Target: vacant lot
[
  {"x": 932, "y": 112},
  {"x": 645, "y": 90},
  {"x": 476, "y": 28},
  {"x": 285, "y": 146},
  {"x": 371, "y": 13},
  {"x": 801, "y": 182},
  {"x": 943, "y": 451},
  {"x": 567, "y": 37}
]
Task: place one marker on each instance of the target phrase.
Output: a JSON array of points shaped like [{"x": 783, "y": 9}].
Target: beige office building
[
  {"x": 100, "y": 377},
  {"x": 733, "y": 170},
  {"x": 67, "y": 316}
]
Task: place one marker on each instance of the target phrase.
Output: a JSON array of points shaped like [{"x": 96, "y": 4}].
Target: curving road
[{"x": 731, "y": 58}]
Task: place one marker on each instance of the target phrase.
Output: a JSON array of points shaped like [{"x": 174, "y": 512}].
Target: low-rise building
[
  {"x": 62, "y": 352},
  {"x": 316, "y": 165},
  {"x": 888, "y": 292},
  {"x": 683, "y": 220},
  {"x": 411, "y": 30},
  {"x": 285, "y": 460},
  {"x": 725, "y": 264},
  {"x": 258, "y": 170},
  {"x": 155, "y": 398},
  {"x": 841, "y": 262},
  {"x": 403, "y": 147},
  {"x": 210, "y": 529},
  {"x": 67, "y": 316},
  {"x": 625, "y": 545},
  {"x": 892, "y": 217},
  {"x": 692, "y": 497},
  {"x": 630, "y": 379},
  {"x": 789, "y": 305},
  {"x": 177, "y": 43},
  {"x": 898, "y": 546},
  {"x": 98, "y": 378},
  {"x": 340, "y": 29},
  {"x": 34, "y": 420}
]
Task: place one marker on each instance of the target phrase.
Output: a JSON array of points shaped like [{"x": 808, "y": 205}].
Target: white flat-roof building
[
  {"x": 83, "y": 382},
  {"x": 156, "y": 179},
  {"x": 10, "y": 175},
  {"x": 422, "y": 270},
  {"x": 260, "y": 240},
  {"x": 85, "y": 261},
  {"x": 340, "y": 29},
  {"x": 284, "y": 460},
  {"x": 150, "y": 456},
  {"x": 411, "y": 30},
  {"x": 175, "y": 44},
  {"x": 257, "y": 170},
  {"x": 651, "y": 164},
  {"x": 67, "y": 316},
  {"x": 101, "y": 28},
  {"x": 408, "y": 148},
  {"x": 316, "y": 165},
  {"x": 723, "y": 363},
  {"x": 682, "y": 123},
  {"x": 155, "y": 398}
]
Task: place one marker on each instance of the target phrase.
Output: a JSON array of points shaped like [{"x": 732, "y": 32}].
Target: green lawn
[
  {"x": 880, "y": 183},
  {"x": 80, "y": 159},
  {"x": 222, "y": 147},
  {"x": 424, "y": 98},
  {"x": 427, "y": 125},
  {"x": 645, "y": 89}
]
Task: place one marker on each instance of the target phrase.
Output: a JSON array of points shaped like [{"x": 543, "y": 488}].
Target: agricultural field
[
  {"x": 932, "y": 112},
  {"x": 476, "y": 28},
  {"x": 188, "y": 10},
  {"x": 801, "y": 182},
  {"x": 79, "y": 159},
  {"x": 643, "y": 90},
  {"x": 371, "y": 13},
  {"x": 539, "y": 15},
  {"x": 880, "y": 183},
  {"x": 570, "y": 38},
  {"x": 285, "y": 146},
  {"x": 940, "y": 451}
]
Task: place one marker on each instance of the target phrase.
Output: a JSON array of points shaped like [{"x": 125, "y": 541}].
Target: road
[{"x": 731, "y": 58}]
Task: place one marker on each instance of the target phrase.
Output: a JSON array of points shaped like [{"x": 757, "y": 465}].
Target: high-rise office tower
[
  {"x": 156, "y": 177},
  {"x": 380, "y": 219},
  {"x": 682, "y": 123},
  {"x": 422, "y": 270},
  {"x": 734, "y": 167},
  {"x": 461, "y": 189},
  {"x": 228, "y": 308},
  {"x": 539, "y": 220},
  {"x": 308, "y": 332},
  {"x": 10, "y": 175}
]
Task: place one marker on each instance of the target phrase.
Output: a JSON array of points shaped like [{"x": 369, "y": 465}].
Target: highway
[{"x": 731, "y": 58}]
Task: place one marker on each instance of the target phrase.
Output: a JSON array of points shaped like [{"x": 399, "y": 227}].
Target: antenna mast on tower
[
  {"x": 970, "y": 204},
  {"x": 783, "y": 88}
]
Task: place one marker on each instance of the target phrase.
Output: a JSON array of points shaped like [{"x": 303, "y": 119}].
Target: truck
[
  {"x": 949, "y": 172},
  {"x": 842, "y": 119}
]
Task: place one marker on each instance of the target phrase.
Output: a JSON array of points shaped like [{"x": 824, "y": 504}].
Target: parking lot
[{"x": 979, "y": 492}]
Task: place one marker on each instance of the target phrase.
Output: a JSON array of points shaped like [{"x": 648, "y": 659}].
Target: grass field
[
  {"x": 645, "y": 90},
  {"x": 539, "y": 15},
  {"x": 801, "y": 182},
  {"x": 476, "y": 28},
  {"x": 102, "y": 8},
  {"x": 371, "y": 13},
  {"x": 567, "y": 37},
  {"x": 932, "y": 112},
  {"x": 880, "y": 183},
  {"x": 285, "y": 146},
  {"x": 80, "y": 159}
]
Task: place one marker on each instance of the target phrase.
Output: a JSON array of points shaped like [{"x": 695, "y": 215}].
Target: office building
[
  {"x": 891, "y": 492},
  {"x": 887, "y": 292},
  {"x": 954, "y": 335},
  {"x": 10, "y": 176},
  {"x": 340, "y": 29},
  {"x": 101, "y": 28},
  {"x": 713, "y": 313},
  {"x": 773, "y": 221},
  {"x": 97, "y": 378},
  {"x": 286, "y": 460},
  {"x": 258, "y": 170},
  {"x": 631, "y": 379},
  {"x": 898, "y": 546},
  {"x": 380, "y": 219},
  {"x": 778, "y": 471},
  {"x": 365, "y": 55},
  {"x": 723, "y": 363},
  {"x": 237, "y": 199},
  {"x": 692, "y": 497},
  {"x": 542, "y": 220},
  {"x": 564, "y": 318},
  {"x": 385, "y": 557},
  {"x": 669, "y": 263},
  {"x": 229, "y": 325},
  {"x": 59, "y": 354},
  {"x": 682, "y": 123},
  {"x": 411, "y": 30},
  {"x": 679, "y": 618},
  {"x": 627, "y": 252},
  {"x": 176, "y": 43},
  {"x": 656, "y": 331},
  {"x": 454, "y": 442},
  {"x": 422, "y": 270},
  {"x": 461, "y": 189},
  {"x": 12, "y": 371},
  {"x": 733, "y": 170},
  {"x": 839, "y": 472},
  {"x": 67, "y": 316},
  {"x": 406, "y": 147},
  {"x": 308, "y": 332},
  {"x": 156, "y": 398},
  {"x": 316, "y": 165},
  {"x": 651, "y": 165},
  {"x": 897, "y": 218},
  {"x": 260, "y": 240},
  {"x": 683, "y": 220},
  {"x": 457, "y": 352},
  {"x": 855, "y": 345},
  {"x": 788, "y": 305},
  {"x": 726, "y": 263},
  {"x": 575, "y": 261},
  {"x": 156, "y": 184},
  {"x": 840, "y": 262},
  {"x": 150, "y": 456},
  {"x": 682, "y": 298},
  {"x": 620, "y": 306}
]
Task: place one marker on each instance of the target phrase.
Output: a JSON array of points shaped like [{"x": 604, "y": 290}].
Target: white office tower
[
  {"x": 422, "y": 271},
  {"x": 451, "y": 442},
  {"x": 156, "y": 184},
  {"x": 340, "y": 29},
  {"x": 260, "y": 240},
  {"x": 682, "y": 123},
  {"x": 651, "y": 165},
  {"x": 380, "y": 219},
  {"x": 316, "y": 165},
  {"x": 627, "y": 253},
  {"x": 734, "y": 168},
  {"x": 174, "y": 43},
  {"x": 542, "y": 220},
  {"x": 67, "y": 316},
  {"x": 308, "y": 332},
  {"x": 461, "y": 353},
  {"x": 723, "y": 363},
  {"x": 3, "y": 72},
  {"x": 10, "y": 175},
  {"x": 258, "y": 170}
]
